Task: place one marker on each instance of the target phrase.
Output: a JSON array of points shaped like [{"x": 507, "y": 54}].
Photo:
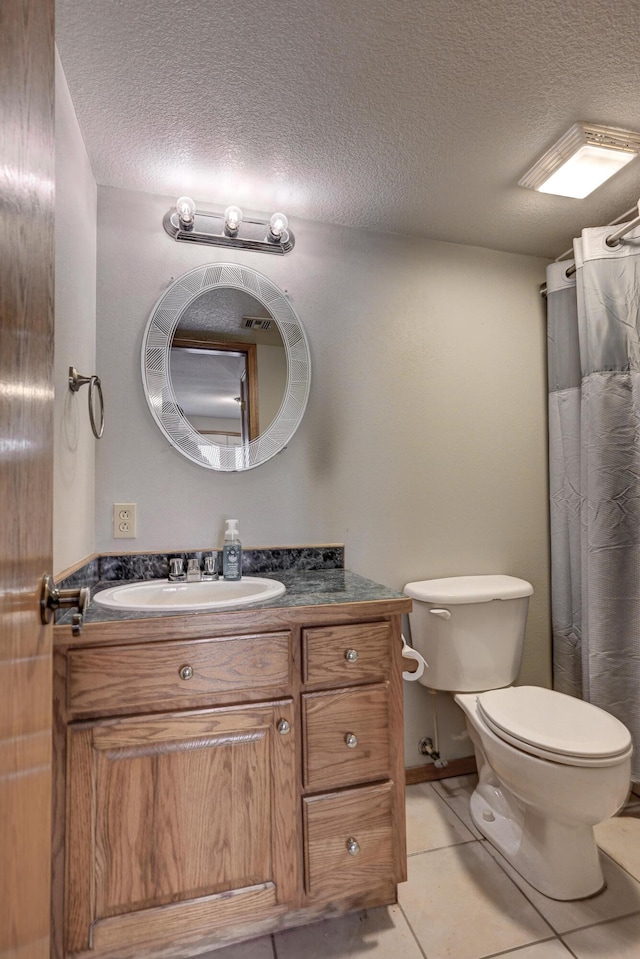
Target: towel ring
[{"x": 76, "y": 380}]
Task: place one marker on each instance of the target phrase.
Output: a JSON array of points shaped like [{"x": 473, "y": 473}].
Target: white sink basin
[{"x": 160, "y": 594}]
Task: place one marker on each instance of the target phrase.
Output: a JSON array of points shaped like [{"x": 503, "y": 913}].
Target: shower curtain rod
[{"x": 612, "y": 240}]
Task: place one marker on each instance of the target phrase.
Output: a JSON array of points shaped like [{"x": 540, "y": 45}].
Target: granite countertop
[{"x": 303, "y": 588}]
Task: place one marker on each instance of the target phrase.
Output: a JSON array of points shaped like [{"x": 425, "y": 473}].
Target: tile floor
[{"x": 462, "y": 900}]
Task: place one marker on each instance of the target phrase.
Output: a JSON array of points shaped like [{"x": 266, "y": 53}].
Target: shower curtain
[{"x": 594, "y": 454}]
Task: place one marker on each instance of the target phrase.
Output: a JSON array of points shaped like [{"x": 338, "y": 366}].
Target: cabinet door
[{"x": 178, "y": 824}]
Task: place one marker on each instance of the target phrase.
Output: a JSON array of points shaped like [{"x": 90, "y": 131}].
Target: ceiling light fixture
[
  {"x": 582, "y": 160},
  {"x": 230, "y": 229}
]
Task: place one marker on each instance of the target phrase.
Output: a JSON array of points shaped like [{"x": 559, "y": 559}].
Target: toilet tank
[{"x": 470, "y": 630}]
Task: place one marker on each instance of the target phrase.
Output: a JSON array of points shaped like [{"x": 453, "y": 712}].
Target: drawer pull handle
[
  {"x": 353, "y": 847},
  {"x": 351, "y": 740},
  {"x": 283, "y": 727},
  {"x": 351, "y": 655},
  {"x": 186, "y": 672}
]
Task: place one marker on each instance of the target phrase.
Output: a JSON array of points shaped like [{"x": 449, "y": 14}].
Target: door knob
[{"x": 52, "y": 598}]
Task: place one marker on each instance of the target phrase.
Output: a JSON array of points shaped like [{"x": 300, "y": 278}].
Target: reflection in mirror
[
  {"x": 215, "y": 389},
  {"x": 226, "y": 367}
]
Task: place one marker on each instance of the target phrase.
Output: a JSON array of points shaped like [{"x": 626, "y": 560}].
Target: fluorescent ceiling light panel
[{"x": 582, "y": 160}]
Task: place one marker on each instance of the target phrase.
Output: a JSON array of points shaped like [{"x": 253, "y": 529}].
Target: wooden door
[
  {"x": 178, "y": 825},
  {"x": 26, "y": 401}
]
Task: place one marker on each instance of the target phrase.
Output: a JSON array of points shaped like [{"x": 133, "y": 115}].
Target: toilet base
[{"x": 558, "y": 859}]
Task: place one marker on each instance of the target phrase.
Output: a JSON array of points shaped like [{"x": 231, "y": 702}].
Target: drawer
[
  {"x": 154, "y": 673},
  {"x": 346, "y": 655},
  {"x": 350, "y": 841},
  {"x": 346, "y": 736}
]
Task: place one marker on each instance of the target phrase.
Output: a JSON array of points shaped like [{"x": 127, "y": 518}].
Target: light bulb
[
  {"x": 186, "y": 211},
  {"x": 232, "y": 220},
  {"x": 278, "y": 227}
]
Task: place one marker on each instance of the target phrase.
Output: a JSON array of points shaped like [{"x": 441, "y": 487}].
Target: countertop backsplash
[{"x": 131, "y": 566}]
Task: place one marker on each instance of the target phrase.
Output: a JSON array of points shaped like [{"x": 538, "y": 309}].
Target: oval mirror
[{"x": 226, "y": 367}]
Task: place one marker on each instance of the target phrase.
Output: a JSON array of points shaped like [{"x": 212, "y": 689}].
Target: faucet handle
[
  {"x": 210, "y": 570},
  {"x": 176, "y": 568}
]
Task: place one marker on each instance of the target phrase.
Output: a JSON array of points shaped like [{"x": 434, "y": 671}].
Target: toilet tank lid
[{"x": 456, "y": 590}]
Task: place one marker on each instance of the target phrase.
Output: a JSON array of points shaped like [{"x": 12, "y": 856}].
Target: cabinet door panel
[
  {"x": 168, "y": 846},
  {"x": 176, "y": 808}
]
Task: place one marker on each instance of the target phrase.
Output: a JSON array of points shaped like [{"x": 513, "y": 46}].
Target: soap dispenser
[{"x": 232, "y": 551}]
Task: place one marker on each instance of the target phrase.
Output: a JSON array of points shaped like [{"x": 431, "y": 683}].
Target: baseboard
[{"x": 428, "y": 772}]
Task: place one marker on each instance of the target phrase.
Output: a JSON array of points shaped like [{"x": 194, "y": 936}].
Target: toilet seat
[{"x": 554, "y": 726}]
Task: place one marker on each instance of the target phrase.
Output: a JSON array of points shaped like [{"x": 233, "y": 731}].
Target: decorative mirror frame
[{"x": 156, "y": 374}]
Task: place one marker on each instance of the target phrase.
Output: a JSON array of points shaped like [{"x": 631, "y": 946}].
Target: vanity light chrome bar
[{"x": 241, "y": 233}]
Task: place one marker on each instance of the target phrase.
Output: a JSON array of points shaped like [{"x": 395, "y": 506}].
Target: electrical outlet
[{"x": 124, "y": 520}]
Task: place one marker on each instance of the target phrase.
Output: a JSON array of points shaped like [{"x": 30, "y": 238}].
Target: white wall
[
  {"x": 75, "y": 337},
  {"x": 423, "y": 448}
]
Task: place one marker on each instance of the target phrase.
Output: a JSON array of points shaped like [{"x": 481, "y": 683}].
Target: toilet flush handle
[{"x": 442, "y": 613}]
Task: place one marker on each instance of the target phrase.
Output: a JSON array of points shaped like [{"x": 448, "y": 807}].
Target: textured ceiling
[{"x": 409, "y": 116}]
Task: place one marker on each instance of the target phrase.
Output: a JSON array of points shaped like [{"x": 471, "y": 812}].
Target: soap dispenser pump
[{"x": 232, "y": 551}]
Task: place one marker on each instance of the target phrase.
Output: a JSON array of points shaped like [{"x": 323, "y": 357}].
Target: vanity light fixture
[
  {"x": 230, "y": 229},
  {"x": 583, "y": 159}
]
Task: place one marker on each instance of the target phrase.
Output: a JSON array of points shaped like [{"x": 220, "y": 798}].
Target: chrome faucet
[
  {"x": 194, "y": 573},
  {"x": 210, "y": 571},
  {"x": 176, "y": 570}
]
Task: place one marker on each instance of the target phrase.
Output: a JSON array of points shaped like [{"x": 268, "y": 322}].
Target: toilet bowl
[
  {"x": 537, "y": 804},
  {"x": 550, "y": 767}
]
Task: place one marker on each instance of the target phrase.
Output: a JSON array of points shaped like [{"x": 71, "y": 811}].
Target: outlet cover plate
[{"x": 124, "y": 520}]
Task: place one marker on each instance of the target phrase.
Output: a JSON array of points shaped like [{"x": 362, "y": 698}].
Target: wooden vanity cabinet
[{"x": 215, "y": 787}]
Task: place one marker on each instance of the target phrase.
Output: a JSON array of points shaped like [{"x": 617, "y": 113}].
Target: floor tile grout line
[
  {"x": 613, "y": 859},
  {"x": 450, "y": 845},
  {"x": 504, "y": 872},
  {"x": 525, "y": 945},
  {"x": 273, "y": 947},
  {"x": 601, "y": 922},
  {"x": 451, "y": 809},
  {"x": 569, "y": 949},
  {"x": 412, "y": 931},
  {"x": 450, "y": 806}
]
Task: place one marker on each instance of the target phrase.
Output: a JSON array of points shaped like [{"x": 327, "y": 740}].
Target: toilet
[{"x": 550, "y": 766}]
